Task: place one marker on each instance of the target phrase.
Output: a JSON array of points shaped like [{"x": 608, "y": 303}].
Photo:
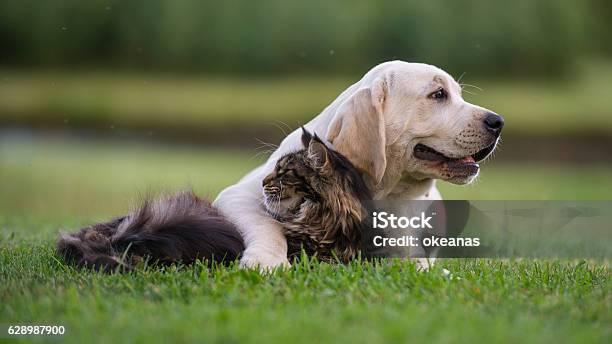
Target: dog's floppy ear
[{"x": 358, "y": 130}]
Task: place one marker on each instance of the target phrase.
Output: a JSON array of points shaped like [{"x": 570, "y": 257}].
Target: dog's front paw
[
  {"x": 263, "y": 261},
  {"x": 423, "y": 264}
]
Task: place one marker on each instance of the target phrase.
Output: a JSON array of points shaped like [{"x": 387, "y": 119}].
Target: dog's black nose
[{"x": 493, "y": 123}]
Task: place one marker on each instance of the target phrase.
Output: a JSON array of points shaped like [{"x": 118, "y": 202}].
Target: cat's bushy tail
[{"x": 177, "y": 228}]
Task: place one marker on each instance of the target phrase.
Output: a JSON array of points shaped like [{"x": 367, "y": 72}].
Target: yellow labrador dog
[{"x": 404, "y": 125}]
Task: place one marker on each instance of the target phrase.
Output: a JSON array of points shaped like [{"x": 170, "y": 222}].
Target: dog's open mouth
[{"x": 467, "y": 164}]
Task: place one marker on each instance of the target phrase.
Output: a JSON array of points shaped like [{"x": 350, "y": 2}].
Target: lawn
[
  {"x": 493, "y": 301},
  {"x": 51, "y": 184}
]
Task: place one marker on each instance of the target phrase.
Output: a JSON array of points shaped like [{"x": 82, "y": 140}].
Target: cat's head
[{"x": 316, "y": 173}]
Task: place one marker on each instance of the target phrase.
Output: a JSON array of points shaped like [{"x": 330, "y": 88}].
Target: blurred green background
[{"x": 101, "y": 101}]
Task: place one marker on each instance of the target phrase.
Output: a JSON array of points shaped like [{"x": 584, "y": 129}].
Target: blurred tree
[{"x": 523, "y": 37}]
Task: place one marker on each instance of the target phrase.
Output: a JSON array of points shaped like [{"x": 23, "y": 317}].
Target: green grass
[
  {"x": 497, "y": 301},
  {"x": 49, "y": 185},
  {"x": 577, "y": 104}
]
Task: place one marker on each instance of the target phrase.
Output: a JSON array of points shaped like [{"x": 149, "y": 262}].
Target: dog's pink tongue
[{"x": 467, "y": 160}]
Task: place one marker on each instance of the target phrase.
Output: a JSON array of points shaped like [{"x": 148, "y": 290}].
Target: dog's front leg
[
  {"x": 266, "y": 246},
  {"x": 404, "y": 192}
]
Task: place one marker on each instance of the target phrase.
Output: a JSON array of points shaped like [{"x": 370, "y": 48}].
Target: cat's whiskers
[
  {"x": 271, "y": 203},
  {"x": 277, "y": 200}
]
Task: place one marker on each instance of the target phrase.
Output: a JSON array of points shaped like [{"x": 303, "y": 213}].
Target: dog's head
[{"x": 409, "y": 118}]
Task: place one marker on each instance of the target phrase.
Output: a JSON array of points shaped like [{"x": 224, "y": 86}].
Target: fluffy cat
[{"x": 315, "y": 193}]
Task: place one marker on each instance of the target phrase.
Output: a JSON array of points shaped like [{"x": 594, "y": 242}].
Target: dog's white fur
[{"x": 375, "y": 123}]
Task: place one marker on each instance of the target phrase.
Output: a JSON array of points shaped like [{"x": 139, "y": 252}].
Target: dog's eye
[{"x": 439, "y": 95}]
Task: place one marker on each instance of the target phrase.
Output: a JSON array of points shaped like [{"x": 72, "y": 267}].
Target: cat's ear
[
  {"x": 306, "y": 137},
  {"x": 318, "y": 153}
]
